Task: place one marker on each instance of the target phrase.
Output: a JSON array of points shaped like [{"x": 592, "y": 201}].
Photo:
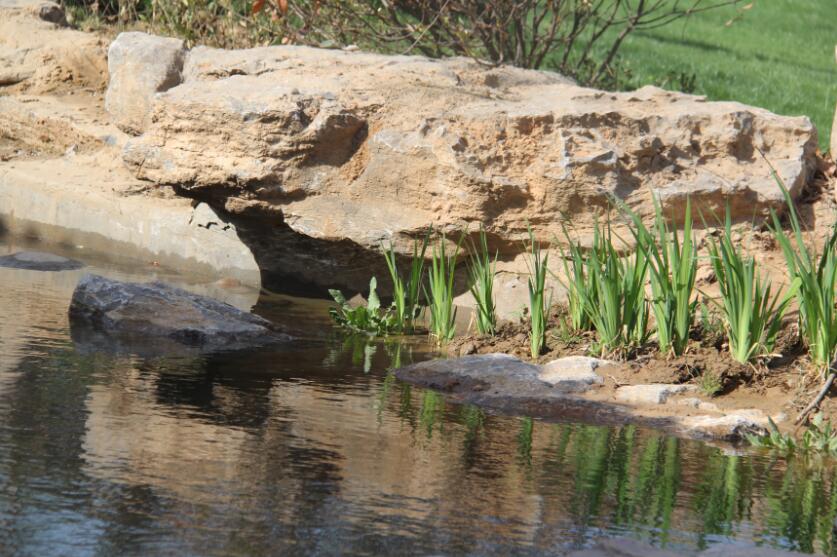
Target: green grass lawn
[{"x": 778, "y": 55}]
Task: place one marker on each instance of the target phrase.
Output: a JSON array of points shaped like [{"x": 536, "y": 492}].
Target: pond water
[{"x": 317, "y": 449}]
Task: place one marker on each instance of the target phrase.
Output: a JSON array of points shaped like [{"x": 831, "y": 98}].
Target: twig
[{"x": 818, "y": 399}]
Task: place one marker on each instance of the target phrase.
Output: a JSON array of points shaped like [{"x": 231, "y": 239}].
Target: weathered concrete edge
[{"x": 153, "y": 229}]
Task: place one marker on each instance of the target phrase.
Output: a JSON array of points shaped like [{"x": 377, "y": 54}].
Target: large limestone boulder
[
  {"x": 140, "y": 66},
  {"x": 357, "y": 147}
]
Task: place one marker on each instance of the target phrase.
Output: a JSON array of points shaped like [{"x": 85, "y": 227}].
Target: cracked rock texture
[{"x": 350, "y": 146}]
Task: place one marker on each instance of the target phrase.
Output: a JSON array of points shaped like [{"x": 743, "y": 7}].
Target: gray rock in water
[
  {"x": 134, "y": 314},
  {"x": 39, "y": 261},
  {"x": 624, "y": 547}
]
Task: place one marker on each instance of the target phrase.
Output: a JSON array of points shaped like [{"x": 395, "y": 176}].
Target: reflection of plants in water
[
  {"x": 368, "y": 351},
  {"x": 635, "y": 478},
  {"x": 386, "y": 387},
  {"x": 722, "y": 495},
  {"x": 524, "y": 441},
  {"x": 399, "y": 353},
  {"x": 802, "y": 506},
  {"x": 432, "y": 407},
  {"x": 362, "y": 353},
  {"x": 405, "y": 405},
  {"x": 473, "y": 420}
]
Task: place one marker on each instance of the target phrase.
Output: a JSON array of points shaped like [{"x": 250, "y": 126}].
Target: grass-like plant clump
[
  {"x": 578, "y": 280},
  {"x": 538, "y": 305},
  {"x": 615, "y": 301},
  {"x": 406, "y": 293},
  {"x": 751, "y": 310},
  {"x": 815, "y": 276},
  {"x": 710, "y": 383},
  {"x": 819, "y": 438},
  {"x": 440, "y": 293},
  {"x": 371, "y": 319},
  {"x": 481, "y": 271},
  {"x": 672, "y": 265}
]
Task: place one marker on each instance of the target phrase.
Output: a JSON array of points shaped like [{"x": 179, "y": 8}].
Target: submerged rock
[
  {"x": 39, "y": 261},
  {"x": 136, "y": 313}
]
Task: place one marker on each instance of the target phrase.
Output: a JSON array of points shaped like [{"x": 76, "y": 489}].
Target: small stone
[
  {"x": 39, "y": 261},
  {"x": 708, "y": 407},
  {"x": 467, "y": 349},
  {"x": 694, "y": 402},
  {"x": 576, "y": 369},
  {"x": 729, "y": 426},
  {"x": 691, "y": 402},
  {"x": 654, "y": 393}
]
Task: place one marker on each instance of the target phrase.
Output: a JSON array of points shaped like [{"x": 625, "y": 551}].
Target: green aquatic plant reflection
[
  {"x": 645, "y": 483},
  {"x": 630, "y": 481},
  {"x": 432, "y": 407},
  {"x": 524, "y": 440}
]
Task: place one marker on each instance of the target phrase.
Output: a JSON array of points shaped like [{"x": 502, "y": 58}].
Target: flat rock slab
[
  {"x": 653, "y": 393},
  {"x": 509, "y": 385},
  {"x": 734, "y": 424},
  {"x": 168, "y": 317},
  {"x": 39, "y": 261},
  {"x": 576, "y": 372},
  {"x": 624, "y": 547}
]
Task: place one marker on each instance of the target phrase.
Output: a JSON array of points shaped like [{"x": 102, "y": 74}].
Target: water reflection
[{"x": 318, "y": 449}]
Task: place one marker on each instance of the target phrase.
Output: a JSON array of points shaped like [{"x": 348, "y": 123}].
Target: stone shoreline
[{"x": 565, "y": 389}]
